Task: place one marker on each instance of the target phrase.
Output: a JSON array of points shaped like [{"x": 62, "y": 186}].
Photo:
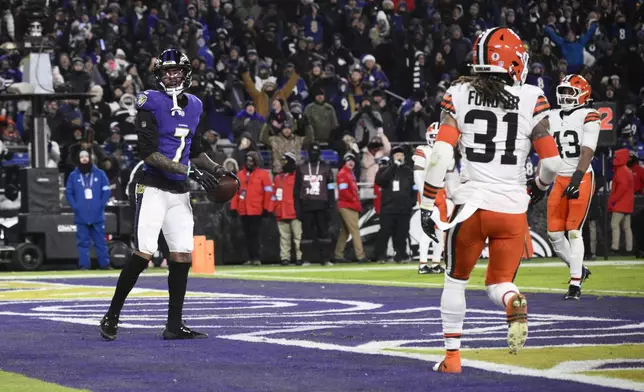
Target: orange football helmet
[
  {"x": 431, "y": 134},
  {"x": 574, "y": 91},
  {"x": 500, "y": 50}
]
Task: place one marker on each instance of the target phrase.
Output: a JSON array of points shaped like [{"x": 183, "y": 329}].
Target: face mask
[
  {"x": 250, "y": 165},
  {"x": 314, "y": 155},
  {"x": 289, "y": 166}
]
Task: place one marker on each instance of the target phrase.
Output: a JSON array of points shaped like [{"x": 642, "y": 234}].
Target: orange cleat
[{"x": 451, "y": 363}]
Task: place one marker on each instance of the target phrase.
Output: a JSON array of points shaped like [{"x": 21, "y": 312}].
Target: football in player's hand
[{"x": 225, "y": 191}]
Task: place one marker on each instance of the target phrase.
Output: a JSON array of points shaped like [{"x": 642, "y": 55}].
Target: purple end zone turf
[{"x": 74, "y": 355}]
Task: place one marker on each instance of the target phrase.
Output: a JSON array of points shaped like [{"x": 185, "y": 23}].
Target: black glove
[
  {"x": 428, "y": 225},
  {"x": 205, "y": 179},
  {"x": 536, "y": 194},
  {"x": 242, "y": 68},
  {"x": 572, "y": 190}
]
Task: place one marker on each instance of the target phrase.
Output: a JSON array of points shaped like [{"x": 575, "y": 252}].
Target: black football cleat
[
  {"x": 433, "y": 270},
  {"x": 424, "y": 269},
  {"x": 574, "y": 292},
  {"x": 182, "y": 333},
  {"x": 585, "y": 274},
  {"x": 109, "y": 327}
]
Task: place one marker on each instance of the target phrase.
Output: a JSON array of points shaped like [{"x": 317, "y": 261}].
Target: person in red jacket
[
  {"x": 621, "y": 201},
  {"x": 638, "y": 172},
  {"x": 252, "y": 202},
  {"x": 289, "y": 226},
  {"x": 349, "y": 208}
]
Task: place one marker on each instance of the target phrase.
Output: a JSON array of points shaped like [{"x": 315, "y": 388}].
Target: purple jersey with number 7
[{"x": 175, "y": 133}]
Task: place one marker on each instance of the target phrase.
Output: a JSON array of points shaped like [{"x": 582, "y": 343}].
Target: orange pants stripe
[
  {"x": 565, "y": 214},
  {"x": 506, "y": 235}
]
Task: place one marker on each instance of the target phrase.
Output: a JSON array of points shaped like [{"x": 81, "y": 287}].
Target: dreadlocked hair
[{"x": 492, "y": 88}]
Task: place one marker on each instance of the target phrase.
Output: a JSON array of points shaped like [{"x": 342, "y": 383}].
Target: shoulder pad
[
  {"x": 591, "y": 115},
  {"x": 145, "y": 100},
  {"x": 532, "y": 90},
  {"x": 194, "y": 99}
]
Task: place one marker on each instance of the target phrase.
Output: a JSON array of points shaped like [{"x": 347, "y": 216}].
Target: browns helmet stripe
[{"x": 483, "y": 45}]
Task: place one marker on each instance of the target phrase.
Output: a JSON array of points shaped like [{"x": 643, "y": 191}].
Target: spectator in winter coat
[
  {"x": 320, "y": 117},
  {"x": 621, "y": 201},
  {"x": 377, "y": 148},
  {"x": 263, "y": 98},
  {"x": 571, "y": 48},
  {"x": 219, "y": 112},
  {"x": 252, "y": 202},
  {"x": 87, "y": 192},
  {"x": 398, "y": 199},
  {"x": 214, "y": 152},
  {"x": 246, "y": 144},
  {"x": 416, "y": 123},
  {"x": 277, "y": 117},
  {"x": 373, "y": 74},
  {"x": 301, "y": 90},
  {"x": 247, "y": 120},
  {"x": 638, "y": 172},
  {"x": 387, "y": 112},
  {"x": 289, "y": 226},
  {"x": 366, "y": 123},
  {"x": 285, "y": 141},
  {"x": 349, "y": 208}
]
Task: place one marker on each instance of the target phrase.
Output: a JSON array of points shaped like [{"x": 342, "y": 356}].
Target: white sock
[
  {"x": 576, "y": 256},
  {"x": 560, "y": 244},
  {"x": 453, "y": 311},
  {"x": 437, "y": 252},
  {"x": 501, "y": 293},
  {"x": 423, "y": 247}
]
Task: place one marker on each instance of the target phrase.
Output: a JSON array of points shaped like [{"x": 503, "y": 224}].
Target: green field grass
[
  {"x": 536, "y": 275},
  {"x": 533, "y": 276},
  {"x": 13, "y": 382}
]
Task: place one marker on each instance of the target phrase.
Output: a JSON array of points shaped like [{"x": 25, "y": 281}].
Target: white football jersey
[
  {"x": 494, "y": 145},
  {"x": 571, "y": 132}
]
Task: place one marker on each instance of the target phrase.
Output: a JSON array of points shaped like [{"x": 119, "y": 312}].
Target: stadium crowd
[{"x": 276, "y": 77}]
